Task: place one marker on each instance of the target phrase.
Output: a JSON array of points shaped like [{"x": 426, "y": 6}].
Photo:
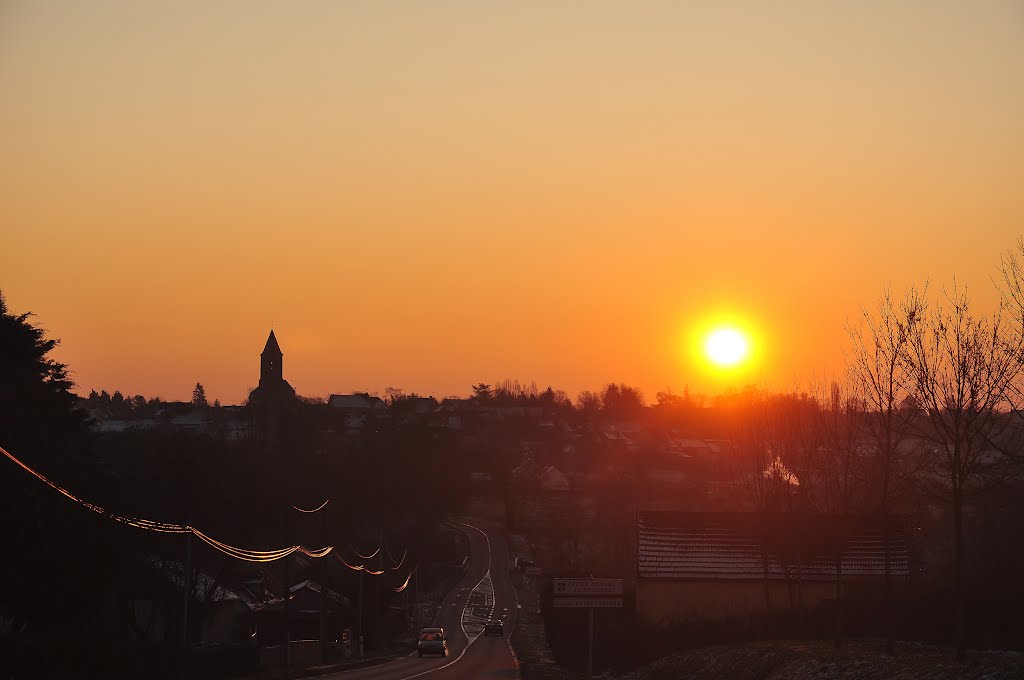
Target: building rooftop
[{"x": 731, "y": 546}]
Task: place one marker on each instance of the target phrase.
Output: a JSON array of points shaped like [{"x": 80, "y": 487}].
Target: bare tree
[
  {"x": 879, "y": 374},
  {"x": 962, "y": 367},
  {"x": 1012, "y": 290},
  {"x": 764, "y": 441},
  {"x": 839, "y": 423},
  {"x": 752, "y": 459},
  {"x": 392, "y": 395},
  {"x": 795, "y": 442}
]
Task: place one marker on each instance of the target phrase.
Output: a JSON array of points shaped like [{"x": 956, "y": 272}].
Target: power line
[
  {"x": 341, "y": 559},
  {"x": 406, "y": 583},
  {"x": 358, "y": 567},
  {"x": 398, "y": 565},
  {"x": 245, "y": 554},
  {"x": 322, "y": 506},
  {"x": 365, "y": 557},
  {"x": 167, "y": 527}
]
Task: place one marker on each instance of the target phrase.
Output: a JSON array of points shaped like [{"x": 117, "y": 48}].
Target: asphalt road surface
[{"x": 484, "y": 592}]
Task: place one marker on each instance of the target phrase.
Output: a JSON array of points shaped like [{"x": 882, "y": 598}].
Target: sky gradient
[{"x": 431, "y": 194}]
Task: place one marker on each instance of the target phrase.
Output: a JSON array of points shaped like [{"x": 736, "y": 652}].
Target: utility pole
[
  {"x": 287, "y": 603},
  {"x": 187, "y": 587},
  {"x": 289, "y": 494},
  {"x": 416, "y": 597},
  {"x": 361, "y": 572},
  {"x": 590, "y": 642},
  {"x": 186, "y": 573},
  {"x": 287, "y": 583},
  {"x": 323, "y": 589},
  {"x": 378, "y": 582}
]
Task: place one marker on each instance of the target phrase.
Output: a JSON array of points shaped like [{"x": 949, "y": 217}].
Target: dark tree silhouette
[
  {"x": 622, "y": 401},
  {"x": 588, "y": 404},
  {"x": 962, "y": 367},
  {"x": 44, "y": 532},
  {"x": 880, "y": 376},
  {"x": 199, "y": 396},
  {"x": 837, "y": 425},
  {"x": 36, "y": 401}
]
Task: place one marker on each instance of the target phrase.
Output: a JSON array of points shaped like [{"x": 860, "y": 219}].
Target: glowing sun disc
[{"x": 726, "y": 347}]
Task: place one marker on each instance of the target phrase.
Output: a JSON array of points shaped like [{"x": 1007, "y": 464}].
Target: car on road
[
  {"x": 520, "y": 563},
  {"x": 494, "y": 628},
  {"x": 432, "y": 641}
]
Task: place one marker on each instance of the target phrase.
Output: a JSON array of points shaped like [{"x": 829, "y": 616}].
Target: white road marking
[
  {"x": 508, "y": 638},
  {"x": 469, "y": 642}
]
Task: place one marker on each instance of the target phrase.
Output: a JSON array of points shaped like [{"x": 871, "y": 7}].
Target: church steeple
[
  {"x": 273, "y": 392},
  {"x": 271, "y": 362}
]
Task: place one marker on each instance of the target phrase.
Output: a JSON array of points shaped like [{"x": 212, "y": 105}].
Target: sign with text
[
  {"x": 565, "y": 587},
  {"x": 587, "y": 602}
]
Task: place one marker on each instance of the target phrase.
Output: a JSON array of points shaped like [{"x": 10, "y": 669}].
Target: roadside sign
[
  {"x": 589, "y": 594},
  {"x": 587, "y": 586},
  {"x": 587, "y": 602}
]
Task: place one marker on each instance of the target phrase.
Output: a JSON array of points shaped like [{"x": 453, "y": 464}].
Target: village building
[{"x": 718, "y": 565}]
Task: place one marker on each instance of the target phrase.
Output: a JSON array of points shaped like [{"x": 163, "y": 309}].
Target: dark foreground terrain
[{"x": 857, "y": 660}]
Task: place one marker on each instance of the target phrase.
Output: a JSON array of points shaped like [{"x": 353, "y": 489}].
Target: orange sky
[{"x": 432, "y": 194}]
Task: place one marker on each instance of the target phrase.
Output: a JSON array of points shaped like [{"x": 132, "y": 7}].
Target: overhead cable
[
  {"x": 167, "y": 527},
  {"x": 398, "y": 566},
  {"x": 365, "y": 557},
  {"x": 350, "y": 566},
  {"x": 397, "y": 563},
  {"x": 406, "y": 584},
  {"x": 322, "y": 506}
]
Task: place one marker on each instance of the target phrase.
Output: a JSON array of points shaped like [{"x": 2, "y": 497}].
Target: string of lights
[
  {"x": 167, "y": 527},
  {"x": 322, "y": 506}
]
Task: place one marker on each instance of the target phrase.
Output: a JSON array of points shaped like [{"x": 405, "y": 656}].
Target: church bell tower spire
[{"x": 271, "y": 362}]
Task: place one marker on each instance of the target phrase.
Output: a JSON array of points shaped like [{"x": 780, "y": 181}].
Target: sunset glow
[
  {"x": 428, "y": 196},
  {"x": 621, "y": 294}
]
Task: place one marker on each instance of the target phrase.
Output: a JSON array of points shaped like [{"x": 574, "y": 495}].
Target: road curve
[{"x": 485, "y": 591}]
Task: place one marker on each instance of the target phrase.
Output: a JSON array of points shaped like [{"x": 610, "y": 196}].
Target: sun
[{"x": 726, "y": 347}]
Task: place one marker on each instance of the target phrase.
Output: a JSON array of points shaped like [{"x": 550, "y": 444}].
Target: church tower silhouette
[
  {"x": 271, "y": 362},
  {"x": 273, "y": 388}
]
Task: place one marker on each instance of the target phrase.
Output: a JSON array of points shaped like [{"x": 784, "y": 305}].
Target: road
[{"x": 485, "y": 591}]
